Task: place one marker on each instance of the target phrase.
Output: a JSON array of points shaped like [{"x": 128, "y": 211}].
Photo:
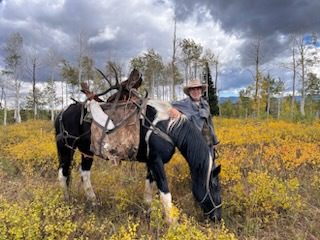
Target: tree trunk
[
  {"x": 5, "y": 110},
  {"x": 52, "y": 105},
  {"x": 293, "y": 82},
  {"x": 216, "y": 74},
  {"x": 279, "y": 107},
  {"x": 62, "y": 98},
  {"x": 268, "y": 101},
  {"x": 17, "y": 115},
  {"x": 173, "y": 62},
  {"x": 302, "y": 103},
  {"x": 34, "y": 100}
]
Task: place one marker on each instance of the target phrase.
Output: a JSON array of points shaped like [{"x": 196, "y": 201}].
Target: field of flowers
[{"x": 270, "y": 187}]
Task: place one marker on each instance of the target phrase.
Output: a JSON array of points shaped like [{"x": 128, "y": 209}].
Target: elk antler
[
  {"x": 116, "y": 86},
  {"x": 90, "y": 95}
]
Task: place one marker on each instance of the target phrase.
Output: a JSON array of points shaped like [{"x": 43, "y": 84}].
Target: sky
[{"x": 121, "y": 30}]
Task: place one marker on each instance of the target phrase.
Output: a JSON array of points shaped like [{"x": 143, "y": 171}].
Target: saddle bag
[{"x": 120, "y": 143}]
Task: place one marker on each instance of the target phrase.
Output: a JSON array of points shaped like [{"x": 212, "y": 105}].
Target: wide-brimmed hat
[{"x": 194, "y": 84}]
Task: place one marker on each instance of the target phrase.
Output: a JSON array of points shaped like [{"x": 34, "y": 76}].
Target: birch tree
[
  {"x": 191, "y": 52},
  {"x": 13, "y": 60},
  {"x": 173, "y": 61},
  {"x": 53, "y": 62},
  {"x": 33, "y": 63},
  {"x": 255, "y": 59},
  {"x": 3, "y": 100}
]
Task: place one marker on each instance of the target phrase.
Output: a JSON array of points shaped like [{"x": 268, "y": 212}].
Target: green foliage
[
  {"x": 151, "y": 65},
  {"x": 270, "y": 178},
  {"x": 212, "y": 91}
]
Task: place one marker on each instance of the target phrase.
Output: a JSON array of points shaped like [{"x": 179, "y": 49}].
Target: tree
[
  {"x": 87, "y": 66},
  {"x": 13, "y": 60},
  {"x": 302, "y": 50},
  {"x": 269, "y": 88},
  {"x": 191, "y": 52},
  {"x": 151, "y": 65},
  {"x": 34, "y": 98},
  {"x": 3, "y": 100},
  {"x": 294, "y": 73},
  {"x": 313, "y": 91},
  {"x": 211, "y": 91},
  {"x": 173, "y": 62},
  {"x": 212, "y": 59},
  {"x": 167, "y": 74},
  {"x": 69, "y": 73},
  {"x": 255, "y": 59},
  {"x": 246, "y": 102},
  {"x": 32, "y": 64},
  {"x": 313, "y": 85},
  {"x": 50, "y": 96},
  {"x": 82, "y": 52}
]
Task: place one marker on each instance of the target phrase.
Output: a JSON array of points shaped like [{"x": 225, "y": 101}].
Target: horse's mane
[{"x": 191, "y": 144}]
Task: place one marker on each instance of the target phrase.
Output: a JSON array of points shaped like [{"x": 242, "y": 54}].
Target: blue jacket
[{"x": 197, "y": 114}]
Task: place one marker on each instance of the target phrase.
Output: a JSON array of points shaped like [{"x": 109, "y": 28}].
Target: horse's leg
[
  {"x": 86, "y": 163},
  {"x": 148, "y": 192},
  {"x": 65, "y": 159},
  {"x": 158, "y": 172}
]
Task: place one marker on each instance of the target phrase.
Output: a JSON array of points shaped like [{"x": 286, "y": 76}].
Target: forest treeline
[{"x": 266, "y": 96}]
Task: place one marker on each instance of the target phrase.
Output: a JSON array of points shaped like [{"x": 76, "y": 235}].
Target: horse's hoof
[{"x": 171, "y": 220}]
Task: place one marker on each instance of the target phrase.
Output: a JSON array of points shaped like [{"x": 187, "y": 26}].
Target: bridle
[
  {"x": 64, "y": 135},
  {"x": 208, "y": 194}
]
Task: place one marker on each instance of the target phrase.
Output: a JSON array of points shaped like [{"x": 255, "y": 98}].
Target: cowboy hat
[{"x": 194, "y": 84}]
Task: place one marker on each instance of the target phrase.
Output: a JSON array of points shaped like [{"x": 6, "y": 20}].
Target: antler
[{"x": 116, "y": 86}]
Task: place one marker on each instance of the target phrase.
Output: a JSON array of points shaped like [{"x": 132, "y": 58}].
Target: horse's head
[{"x": 211, "y": 202}]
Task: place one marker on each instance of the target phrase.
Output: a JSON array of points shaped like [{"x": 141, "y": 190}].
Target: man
[{"x": 197, "y": 110}]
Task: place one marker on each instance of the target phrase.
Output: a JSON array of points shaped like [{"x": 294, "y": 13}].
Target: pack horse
[{"x": 155, "y": 137}]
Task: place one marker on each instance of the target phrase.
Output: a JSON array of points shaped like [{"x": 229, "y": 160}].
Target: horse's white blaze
[
  {"x": 63, "y": 183},
  {"x": 99, "y": 115},
  {"x": 85, "y": 176},
  {"x": 209, "y": 170},
  {"x": 148, "y": 191}
]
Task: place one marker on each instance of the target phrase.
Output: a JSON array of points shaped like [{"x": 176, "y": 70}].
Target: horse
[
  {"x": 159, "y": 135},
  {"x": 154, "y": 150}
]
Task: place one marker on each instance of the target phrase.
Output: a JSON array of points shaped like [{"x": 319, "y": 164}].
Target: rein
[
  {"x": 156, "y": 130},
  {"x": 207, "y": 194}
]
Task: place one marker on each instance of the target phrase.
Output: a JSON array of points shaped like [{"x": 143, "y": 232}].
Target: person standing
[{"x": 197, "y": 110}]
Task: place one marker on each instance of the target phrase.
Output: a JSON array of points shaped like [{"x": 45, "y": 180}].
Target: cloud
[
  {"x": 105, "y": 35},
  {"x": 251, "y": 19},
  {"x": 121, "y": 30}
]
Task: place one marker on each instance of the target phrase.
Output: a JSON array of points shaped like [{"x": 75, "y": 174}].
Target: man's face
[{"x": 195, "y": 93}]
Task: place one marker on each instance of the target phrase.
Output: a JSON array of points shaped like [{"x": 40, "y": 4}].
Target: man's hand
[{"x": 174, "y": 113}]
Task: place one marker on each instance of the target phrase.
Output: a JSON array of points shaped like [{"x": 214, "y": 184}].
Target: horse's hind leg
[
  {"x": 86, "y": 163},
  {"x": 65, "y": 159}
]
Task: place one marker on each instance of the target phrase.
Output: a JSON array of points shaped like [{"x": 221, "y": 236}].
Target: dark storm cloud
[
  {"x": 57, "y": 25},
  {"x": 266, "y": 19},
  {"x": 258, "y": 17},
  {"x": 120, "y": 30}
]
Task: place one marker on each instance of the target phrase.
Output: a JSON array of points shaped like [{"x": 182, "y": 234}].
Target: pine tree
[{"x": 212, "y": 91}]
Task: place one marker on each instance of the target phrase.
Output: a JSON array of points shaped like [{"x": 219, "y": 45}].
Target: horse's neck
[{"x": 191, "y": 144}]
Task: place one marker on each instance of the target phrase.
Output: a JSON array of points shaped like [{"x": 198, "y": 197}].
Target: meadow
[{"x": 270, "y": 188}]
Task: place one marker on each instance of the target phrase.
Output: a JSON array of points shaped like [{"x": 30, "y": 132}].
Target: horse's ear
[{"x": 216, "y": 171}]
